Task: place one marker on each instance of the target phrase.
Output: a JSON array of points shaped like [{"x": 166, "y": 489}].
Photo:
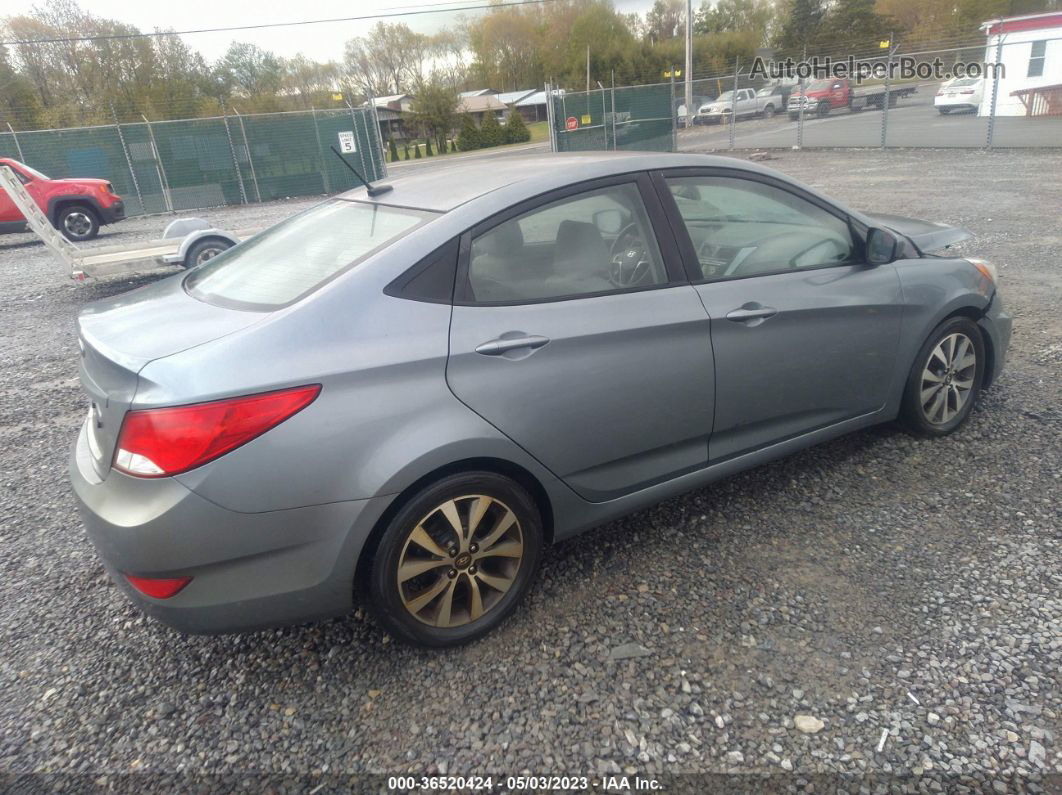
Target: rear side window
[{"x": 295, "y": 257}]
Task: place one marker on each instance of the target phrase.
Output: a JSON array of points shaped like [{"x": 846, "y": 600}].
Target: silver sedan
[{"x": 403, "y": 395}]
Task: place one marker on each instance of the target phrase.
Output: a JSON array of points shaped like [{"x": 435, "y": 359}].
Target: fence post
[
  {"x": 320, "y": 155},
  {"x": 18, "y": 146},
  {"x": 548, "y": 88},
  {"x": 377, "y": 137},
  {"x": 232, "y": 151},
  {"x": 361, "y": 149},
  {"x": 800, "y": 108},
  {"x": 671, "y": 104},
  {"x": 888, "y": 93},
  {"x": 164, "y": 181},
  {"x": 128, "y": 160},
  {"x": 615, "y": 145},
  {"x": 995, "y": 92},
  {"x": 604, "y": 116},
  {"x": 733, "y": 101},
  {"x": 250, "y": 159}
]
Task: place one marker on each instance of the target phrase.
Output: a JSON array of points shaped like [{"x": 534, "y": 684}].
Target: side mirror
[
  {"x": 608, "y": 222},
  {"x": 881, "y": 246}
]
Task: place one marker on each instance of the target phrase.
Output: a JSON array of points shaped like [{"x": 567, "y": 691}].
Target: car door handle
[
  {"x": 751, "y": 311},
  {"x": 501, "y": 345}
]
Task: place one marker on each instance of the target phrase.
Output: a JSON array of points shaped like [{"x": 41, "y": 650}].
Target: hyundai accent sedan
[{"x": 402, "y": 396}]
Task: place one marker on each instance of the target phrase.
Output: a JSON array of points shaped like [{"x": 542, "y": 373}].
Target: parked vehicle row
[
  {"x": 743, "y": 103},
  {"x": 820, "y": 97}
]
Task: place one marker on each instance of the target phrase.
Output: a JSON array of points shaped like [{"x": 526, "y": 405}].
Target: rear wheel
[
  {"x": 768, "y": 112},
  {"x": 78, "y": 222},
  {"x": 824, "y": 109},
  {"x": 456, "y": 560},
  {"x": 944, "y": 111},
  {"x": 946, "y": 378}
]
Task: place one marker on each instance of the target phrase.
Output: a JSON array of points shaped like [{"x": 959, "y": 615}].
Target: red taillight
[
  {"x": 155, "y": 443},
  {"x": 158, "y": 588},
  {"x": 966, "y": 91}
]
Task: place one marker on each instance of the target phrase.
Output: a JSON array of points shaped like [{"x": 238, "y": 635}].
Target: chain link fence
[
  {"x": 186, "y": 164},
  {"x": 734, "y": 110}
]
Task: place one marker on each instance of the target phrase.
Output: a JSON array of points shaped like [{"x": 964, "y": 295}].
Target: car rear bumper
[{"x": 248, "y": 570}]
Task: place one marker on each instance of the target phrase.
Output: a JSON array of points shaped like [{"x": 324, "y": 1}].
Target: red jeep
[{"x": 77, "y": 207}]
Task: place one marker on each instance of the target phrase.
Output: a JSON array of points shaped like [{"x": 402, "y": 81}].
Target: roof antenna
[{"x": 373, "y": 190}]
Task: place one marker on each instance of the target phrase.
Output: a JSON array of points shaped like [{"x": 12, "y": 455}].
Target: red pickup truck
[
  {"x": 77, "y": 207},
  {"x": 822, "y": 96}
]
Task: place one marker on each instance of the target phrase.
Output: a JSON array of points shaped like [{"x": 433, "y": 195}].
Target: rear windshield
[{"x": 295, "y": 257}]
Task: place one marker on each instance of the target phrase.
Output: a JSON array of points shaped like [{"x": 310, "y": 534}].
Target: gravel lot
[{"x": 879, "y": 583}]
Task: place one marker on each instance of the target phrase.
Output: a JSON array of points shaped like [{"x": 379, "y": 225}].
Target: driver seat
[{"x": 580, "y": 259}]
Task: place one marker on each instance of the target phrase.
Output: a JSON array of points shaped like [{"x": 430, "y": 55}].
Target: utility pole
[
  {"x": 587, "y": 68},
  {"x": 689, "y": 60}
]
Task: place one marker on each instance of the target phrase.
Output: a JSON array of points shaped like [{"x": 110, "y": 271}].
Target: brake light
[
  {"x": 156, "y": 443},
  {"x": 966, "y": 91},
  {"x": 158, "y": 588}
]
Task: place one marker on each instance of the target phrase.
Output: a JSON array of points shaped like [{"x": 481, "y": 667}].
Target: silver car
[{"x": 404, "y": 396}]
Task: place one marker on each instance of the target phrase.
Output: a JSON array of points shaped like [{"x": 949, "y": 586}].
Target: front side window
[
  {"x": 1036, "y": 59},
  {"x": 298, "y": 255},
  {"x": 595, "y": 242},
  {"x": 741, "y": 227}
]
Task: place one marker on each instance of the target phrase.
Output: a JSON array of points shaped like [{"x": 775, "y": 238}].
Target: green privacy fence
[
  {"x": 191, "y": 163},
  {"x": 632, "y": 117}
]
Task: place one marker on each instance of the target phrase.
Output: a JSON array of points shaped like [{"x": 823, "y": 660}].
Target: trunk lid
[
  {"x": 926, "y": 235},
  {"x": 118, "y": 336}
]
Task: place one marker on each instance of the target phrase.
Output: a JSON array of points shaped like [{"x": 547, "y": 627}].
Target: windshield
[
  {"x": 819, "y": 85},
  {"x": 766, "y": 92},
  {"x": 726, "y": 96},
  {"x": 965, "y": 81},
  {"x": 298, "y": 255}
]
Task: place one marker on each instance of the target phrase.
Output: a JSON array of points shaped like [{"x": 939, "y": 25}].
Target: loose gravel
[{"x": 880, "y": 606}]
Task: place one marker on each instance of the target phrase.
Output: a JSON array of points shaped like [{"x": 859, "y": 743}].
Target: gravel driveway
[{"x": 880, "y": 605}]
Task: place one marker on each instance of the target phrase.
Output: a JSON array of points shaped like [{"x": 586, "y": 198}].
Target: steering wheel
[{"x": 628, "y": 259}]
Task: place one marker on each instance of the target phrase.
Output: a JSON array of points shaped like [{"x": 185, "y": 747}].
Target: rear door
[
  {"x": 576, "y": 333},
  {"x": 804, "y": 333}
]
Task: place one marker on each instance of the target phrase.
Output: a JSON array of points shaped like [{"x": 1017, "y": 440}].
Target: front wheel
[
  {"x": 204, "y": 251},
  {"x": 768, "y": 112},
  {"x": 944, "y": 111},
  {"x": 78, "y": 222},
  {"x": 456, "y": 560},
  {"x": 945, "y": 380}
]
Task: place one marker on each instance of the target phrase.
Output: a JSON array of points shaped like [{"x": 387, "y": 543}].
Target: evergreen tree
[
  {"x": 490, "y": 132},
  {"x": 516, "y": 131},
  {"x": 802, "y": 27},
  {"x": 427, "y": 147},
  {"x": 405, "y": 149},
  {"x": 469, "y": 137},
  {"x": 392, "y": 147},
  {"x": 416, "y": 151}
]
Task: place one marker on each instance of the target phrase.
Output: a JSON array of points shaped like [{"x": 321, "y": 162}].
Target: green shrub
[
  {"x": 416, "y": 151},
  {"x": 490, "y": 132},
  {"x": 405, "y": 149},
  {"x": 392, "y": 147},
  {"x": 427, "y": 147},
  {"x": 468, "y": 138},
  {"x": 516, "y": 131}
]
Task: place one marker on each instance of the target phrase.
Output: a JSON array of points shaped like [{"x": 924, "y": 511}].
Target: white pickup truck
[{"x": 743, "y": 103}]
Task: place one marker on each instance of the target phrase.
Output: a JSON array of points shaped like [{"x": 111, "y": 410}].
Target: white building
[{"x": 1031, "y": 54}]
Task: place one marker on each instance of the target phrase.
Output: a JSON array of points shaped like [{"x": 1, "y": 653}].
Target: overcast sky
[{"x": 322, "y": 42}]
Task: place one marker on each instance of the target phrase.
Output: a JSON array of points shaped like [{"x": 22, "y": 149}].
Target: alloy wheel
[
  {"x": 948, "y": 378},
  {"x": 207, "y": 254},
  {"x": 459, "y": 561},
  {"x": 77, "y": 223}
]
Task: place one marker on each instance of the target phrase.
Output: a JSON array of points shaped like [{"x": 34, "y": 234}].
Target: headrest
[{"x": 501, "y": 240}]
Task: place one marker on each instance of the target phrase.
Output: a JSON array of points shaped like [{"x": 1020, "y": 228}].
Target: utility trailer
[{"x": 186, "y": 241}]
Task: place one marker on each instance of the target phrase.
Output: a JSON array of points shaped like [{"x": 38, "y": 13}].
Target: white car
[{"x": 960, "y": 94}]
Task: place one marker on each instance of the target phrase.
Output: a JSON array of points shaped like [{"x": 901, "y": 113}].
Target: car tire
[
  {"x": 204, "y": 251},
  {"x": 943, "y": 384},
  {"x": 768, "y": 112},
  {"x": 944, "y": 111},
  {"x": 824, "y": 109},
  {"x": 78, "y": 222},
  {"x": 448, "y": 579}
]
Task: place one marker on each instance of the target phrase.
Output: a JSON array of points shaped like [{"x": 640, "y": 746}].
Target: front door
[
  {"x": 576, "y": 334},
  {"x": 803, "y": 332}
]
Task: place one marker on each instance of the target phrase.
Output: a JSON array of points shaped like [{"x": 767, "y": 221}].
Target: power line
[{"x": 427, "y": 8}]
